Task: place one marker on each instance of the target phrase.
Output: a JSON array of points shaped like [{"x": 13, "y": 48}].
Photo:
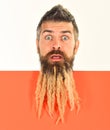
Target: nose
[{"x": 56, "y": 45}]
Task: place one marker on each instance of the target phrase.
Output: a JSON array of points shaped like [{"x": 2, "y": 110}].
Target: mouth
[{"x": 56, "y": 57}]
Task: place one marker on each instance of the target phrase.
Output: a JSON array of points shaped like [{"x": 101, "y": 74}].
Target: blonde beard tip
[{"x": 57, "y": 92}]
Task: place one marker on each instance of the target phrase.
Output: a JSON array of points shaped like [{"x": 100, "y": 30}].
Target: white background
[{"x": 18, "y": 22}]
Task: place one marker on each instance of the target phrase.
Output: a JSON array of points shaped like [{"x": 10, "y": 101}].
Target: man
[{"x": 57, "y": 43}]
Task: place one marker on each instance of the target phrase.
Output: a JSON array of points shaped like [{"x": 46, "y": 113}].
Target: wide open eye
[
  {"x": 48, "y": 37},
  {"x": 64, "y": 38}
]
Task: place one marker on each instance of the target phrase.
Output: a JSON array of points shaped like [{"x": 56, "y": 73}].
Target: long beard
[{"x": 56, "y": 87}]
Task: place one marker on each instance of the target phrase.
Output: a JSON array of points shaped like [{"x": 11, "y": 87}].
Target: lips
[{"x": 56, "y": 57}]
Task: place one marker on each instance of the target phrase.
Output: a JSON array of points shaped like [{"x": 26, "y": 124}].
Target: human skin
[{"x": 57, "y": 36}]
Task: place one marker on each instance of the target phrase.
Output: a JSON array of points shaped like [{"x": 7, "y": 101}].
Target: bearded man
[{"x": 57, "y": 43}]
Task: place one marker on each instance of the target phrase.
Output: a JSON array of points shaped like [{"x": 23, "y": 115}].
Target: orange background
[{"x": 16, "y": 111}]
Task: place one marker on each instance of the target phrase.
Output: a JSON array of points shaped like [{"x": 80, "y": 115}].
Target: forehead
[{"x": 57, "y": 26}]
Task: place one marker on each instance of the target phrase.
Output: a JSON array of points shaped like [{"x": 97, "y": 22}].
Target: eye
[
  {"x": 48, "y": 37},
  {"x": 64, "y": 38}
]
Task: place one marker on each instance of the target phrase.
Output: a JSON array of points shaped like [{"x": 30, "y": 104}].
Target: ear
[
  {"x": 37, "y": 42},
  {"x": 76, "y": 46}
]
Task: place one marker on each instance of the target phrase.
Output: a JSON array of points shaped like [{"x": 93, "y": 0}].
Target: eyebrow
[
  {"x": 50, "y": 31},
  {"x": 67, "y": 31}
]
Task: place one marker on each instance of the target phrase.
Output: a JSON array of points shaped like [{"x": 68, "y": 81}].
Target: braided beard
[{"x": 55, "y": 86}]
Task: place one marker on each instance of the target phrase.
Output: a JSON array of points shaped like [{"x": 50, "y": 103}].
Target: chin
[{"x": 56, "y": 62}]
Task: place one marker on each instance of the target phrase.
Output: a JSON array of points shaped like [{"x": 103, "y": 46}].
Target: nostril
[
  {"x": 53, "y": 48},
  {"x": 58, "y": 48}
]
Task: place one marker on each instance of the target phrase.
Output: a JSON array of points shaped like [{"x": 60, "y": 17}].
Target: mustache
[
  {"x": 55, "y": 52},
  {"x": 46, "y": 57}
]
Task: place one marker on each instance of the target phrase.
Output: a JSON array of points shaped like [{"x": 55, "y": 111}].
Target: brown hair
[{"x": 58, "y": 14}]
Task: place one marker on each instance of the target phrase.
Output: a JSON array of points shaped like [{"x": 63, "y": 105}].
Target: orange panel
[{"x": 16, "y": 111}]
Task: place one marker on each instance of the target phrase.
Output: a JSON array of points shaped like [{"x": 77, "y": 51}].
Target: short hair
[{"x": 58, "y": 14}]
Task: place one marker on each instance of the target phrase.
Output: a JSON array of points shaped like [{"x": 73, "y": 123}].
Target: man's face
[{"x": 57, "y": 36}]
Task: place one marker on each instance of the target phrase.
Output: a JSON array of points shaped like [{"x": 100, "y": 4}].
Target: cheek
[
  {"x": 44, "y": 49},
  {"x": 69, "y": 50}
]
